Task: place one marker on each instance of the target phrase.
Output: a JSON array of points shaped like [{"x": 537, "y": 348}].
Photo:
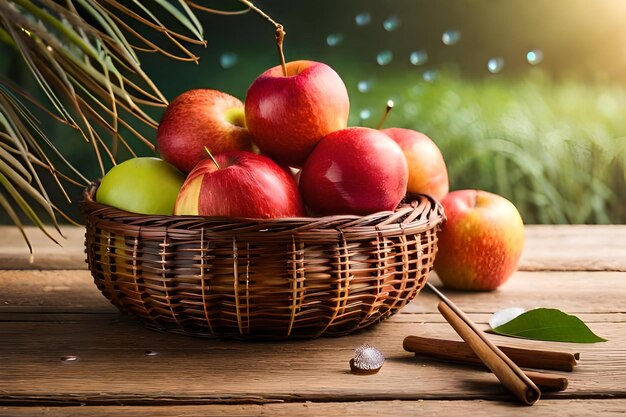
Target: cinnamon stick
[
  {"x": 459, "y": 351},
  {"x": 509, "y": 374},
  {"x": 548, "y": 382},
  {"x": 452, "y": 350}
]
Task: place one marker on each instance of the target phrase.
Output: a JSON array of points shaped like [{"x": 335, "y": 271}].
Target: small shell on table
[{"x": 367, "y": 360}]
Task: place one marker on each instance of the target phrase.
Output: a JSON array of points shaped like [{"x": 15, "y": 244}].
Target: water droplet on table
[
  {"x": 391, "y": 23},
  {"x": 451, "y": 37},
  {"x": 334, "y": 39},
  {"x": 495, "y": 65},
  {"x": 384, "y": 57},
  {"x": 69, "y": 358},
  {"x": 363, "y": 19},
  {"x": 228, "y": 60},
  {"x": 534, "y": 56},
  {"x": 150, "y": 353},
  {"x": 418, "y": 57}
]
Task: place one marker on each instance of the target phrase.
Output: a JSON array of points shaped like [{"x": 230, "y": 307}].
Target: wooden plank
[
  {"x": 570, "y": 291},
  {"x": 575, "y": 247},
  {"x": 112, "y": 367},
  {"x": 57, "y": 289},
  {"x": 45, "y": 315},
  {"x": 554, "y": 247},
  {"x": 573, "y": 292},
  {"x": 70, "y": 254},
  {"x": 479, "y": 408},
  {"x": 25, "y": 314}
]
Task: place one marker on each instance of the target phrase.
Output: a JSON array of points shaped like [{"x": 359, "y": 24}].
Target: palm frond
[
  {"x": 83, "y": 56},
  {"x": 19, "y": 148}
]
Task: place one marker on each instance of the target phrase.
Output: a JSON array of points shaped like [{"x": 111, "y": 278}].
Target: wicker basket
[{"x": 261, "y": 279}]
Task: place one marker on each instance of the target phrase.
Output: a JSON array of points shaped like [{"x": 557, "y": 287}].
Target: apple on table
[
  {"x": 481, "y": 241},
  {"x": 240, "y": 184},
  {"x": 288, "y": 115},
  {"x": 201, "y": 118}
]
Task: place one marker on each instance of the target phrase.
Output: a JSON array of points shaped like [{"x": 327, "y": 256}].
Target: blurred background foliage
[{"x": 525, "y": 98}]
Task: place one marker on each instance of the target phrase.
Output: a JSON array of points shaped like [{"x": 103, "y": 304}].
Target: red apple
[
  {"x": 289, "y": 115},
  {"x": 428, "y": 173},
  {"x": 245, "y": 185},
  {"x": 199, "y": 118},
  {"x": 481, "y": 241},
  {"x": 354, "y": 171}
]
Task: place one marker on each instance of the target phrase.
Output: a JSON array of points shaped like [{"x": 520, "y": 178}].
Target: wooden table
[{"x": 50, "y": 308}]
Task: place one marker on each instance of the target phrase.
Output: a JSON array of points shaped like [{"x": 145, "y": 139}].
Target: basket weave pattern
[{"x": 249, "y": 279}]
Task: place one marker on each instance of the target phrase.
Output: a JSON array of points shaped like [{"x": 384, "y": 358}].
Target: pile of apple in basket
[{"x": 287, "y": 152}]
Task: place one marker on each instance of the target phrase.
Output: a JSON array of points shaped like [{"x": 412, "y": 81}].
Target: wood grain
[
  {"x": 570, "y": 291},
  {"x": 73, "y": 289},
  {"x": 51, "y": 308},
  {"x": 478, "y": 408},
  {"x": 70, "y": 254},
  {"x": 574, "y": 248},
  {"x": 548, "y": 247},
  {"x": 573, "y": 292},
  {"x": 112, "y": 367}
]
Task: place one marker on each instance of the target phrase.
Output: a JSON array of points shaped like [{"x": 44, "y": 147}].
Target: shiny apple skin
[
  {"x": 428, "y": 173},
  {"x": 354, "y": 171},
  {"x": 289, "y": 115},
  {"x": 481, "y": 241},
  {"x": 246, "y": 185},
  {"x": 199, "y": 118}
]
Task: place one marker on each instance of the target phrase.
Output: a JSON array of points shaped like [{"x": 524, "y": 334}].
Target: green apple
[{"x": 141, "y": 185}]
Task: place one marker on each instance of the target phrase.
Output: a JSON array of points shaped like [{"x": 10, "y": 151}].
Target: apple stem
[
  {"x": 387, "y": 110},
  {"x": 212, "y": 157},
  {"x": 280, "y": 32},
  {"x": 280, "y": 37}
]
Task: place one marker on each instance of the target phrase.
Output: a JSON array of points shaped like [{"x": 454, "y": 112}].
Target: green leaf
[{"x": 548, "y": 324}]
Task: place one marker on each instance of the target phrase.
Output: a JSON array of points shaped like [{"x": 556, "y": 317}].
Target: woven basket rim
[{"x": 411, "y": 203}]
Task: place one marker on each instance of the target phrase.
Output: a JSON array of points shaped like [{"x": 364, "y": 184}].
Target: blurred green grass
[
  {"x": 556, "y": 149},
  {"x": 553, "y": 144}
]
